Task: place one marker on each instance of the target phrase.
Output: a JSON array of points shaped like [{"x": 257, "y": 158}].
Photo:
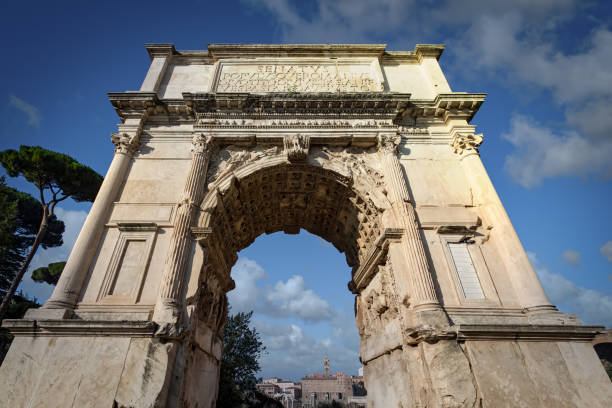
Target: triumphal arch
[{"x": 367, "y": 148}]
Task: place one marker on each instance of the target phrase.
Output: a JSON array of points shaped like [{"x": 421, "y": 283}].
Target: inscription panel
[{"x": 298, "y": 76}]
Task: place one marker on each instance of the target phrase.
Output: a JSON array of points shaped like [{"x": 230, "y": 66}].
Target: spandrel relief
[
  {"x": 377, "y": 304},
  {"x": 361, "y": 165},
  {"x": 230, "y": 158}
]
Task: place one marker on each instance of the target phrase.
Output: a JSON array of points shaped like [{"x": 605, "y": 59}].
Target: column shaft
[{"x": 68, "y": 288}]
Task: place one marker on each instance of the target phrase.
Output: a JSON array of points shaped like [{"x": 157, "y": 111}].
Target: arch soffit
[{"x": 305, "y": 190}]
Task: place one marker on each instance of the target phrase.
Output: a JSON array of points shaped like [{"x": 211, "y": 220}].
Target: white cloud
[
  {"x": 572, "y": 257},
  {"x": 591, "y": 306},
  {"x": 292, "y": 353},
  {"x": 245, "y": 273},
  {"x": 541, "y": 154},
  {"x": 516, "y": 43},
  {"x": 285, "y": 299},
  {"x": 606, "y": 250},
  {"x": 30, "y": 110},
  {"x": 293, "y": 298},
  {"x": 338, "y": 20},
  {"x": 73, "y": 220}
]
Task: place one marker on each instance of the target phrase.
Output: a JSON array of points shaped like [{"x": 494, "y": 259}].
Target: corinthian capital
[
  {"x": 388, "y": 142},
  {"x": 464, "y": 142},
  {"x": 201, "y": 143},
  {"x": 125, "y": 143}
]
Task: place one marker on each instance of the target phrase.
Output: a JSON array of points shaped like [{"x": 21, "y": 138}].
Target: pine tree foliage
[
  {"x": 57, "y": 177},
  {"x": 20, "y": 218},
  {"x": 242, "y": 349},
  {"x": 49, "y": 274}
]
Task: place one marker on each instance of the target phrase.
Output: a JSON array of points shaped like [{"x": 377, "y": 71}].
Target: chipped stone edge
[{"x": 22, "y": 327}]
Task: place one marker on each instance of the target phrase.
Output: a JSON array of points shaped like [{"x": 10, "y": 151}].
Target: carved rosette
[
  {"x": 296, "y": 147},
  {"x": 466, "y": 142},
  {"x": 125, "y": 143}
]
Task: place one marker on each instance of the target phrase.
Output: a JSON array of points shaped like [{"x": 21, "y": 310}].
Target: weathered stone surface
[
  {"x": 367, "y": 148},
  {"x": 146, "y": 376},
  {"x": 451, "y": 375},
  {"x": 388, "y": 378}
]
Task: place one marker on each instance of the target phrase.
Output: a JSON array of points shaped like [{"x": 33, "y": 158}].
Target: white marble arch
[{"x": 380, "y": 159}]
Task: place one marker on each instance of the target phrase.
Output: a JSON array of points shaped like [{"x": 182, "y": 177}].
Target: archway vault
[{"x": 288, "y": 196}]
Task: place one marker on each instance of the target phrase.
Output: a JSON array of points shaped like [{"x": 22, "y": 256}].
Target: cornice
[
  {"x": 384, "y": 105},
  {"x": 220, "y": 51},
  {"x": 160, "y": 50},
  {"x": 378, "y": 103},
  {"x": 23, "y": 327},
  {"x": 420, "y": 51},
  {"x": 215, "y": 52},
  {"x": 526, "y": 332},
  {"x": 133, "y": 103},
  {"x": 456, "y": 105}
]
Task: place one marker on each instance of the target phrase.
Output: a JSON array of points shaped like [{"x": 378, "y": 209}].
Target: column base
[{"x": 44, "y": 313}]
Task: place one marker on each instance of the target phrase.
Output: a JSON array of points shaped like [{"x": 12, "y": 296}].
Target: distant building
[
  {"x": 326, "y": 388},
  {"x": 269, "y": 389},
  {"x": 289, "y": 393},
  {"x": 357, "y": 402}
]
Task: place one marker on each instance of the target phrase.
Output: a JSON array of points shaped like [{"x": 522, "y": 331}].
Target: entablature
[{"x": 337, "y": 106}]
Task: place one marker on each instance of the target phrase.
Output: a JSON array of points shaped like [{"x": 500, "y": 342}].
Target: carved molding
[
  {"x": 207, "y": 121},
  {"x": 377, "y": 255},
  {"x": 465, "y": 142},
  {"x": 296, "y": 147}
]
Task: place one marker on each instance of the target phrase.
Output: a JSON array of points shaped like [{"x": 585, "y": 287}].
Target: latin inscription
[{"x": 294, "y": 78}]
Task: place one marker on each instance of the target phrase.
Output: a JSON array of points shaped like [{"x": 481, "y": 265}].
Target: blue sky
[{"x": 546, "y": 121}]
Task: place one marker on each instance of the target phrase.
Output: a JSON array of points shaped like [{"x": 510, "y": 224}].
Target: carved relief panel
[
  {"x": 354, "y": 75},
  {"x": 377, "y": 305}
]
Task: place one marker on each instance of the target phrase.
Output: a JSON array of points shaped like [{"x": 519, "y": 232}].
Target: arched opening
[
  {"x": 287, "y": 197},
  {"x": 296, "y": 287},
  {"x": 282, "y": 196}
]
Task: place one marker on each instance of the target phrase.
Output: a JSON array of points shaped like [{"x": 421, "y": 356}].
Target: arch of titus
[{"x": 367, "y": 148}]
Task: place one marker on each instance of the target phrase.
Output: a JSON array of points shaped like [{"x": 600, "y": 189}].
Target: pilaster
[
  {"x": 423, "y": 296},
  {"x": 526, "y": 284}
]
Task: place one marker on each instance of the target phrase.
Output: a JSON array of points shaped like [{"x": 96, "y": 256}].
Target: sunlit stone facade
[{"x": 367, "y": 148}]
